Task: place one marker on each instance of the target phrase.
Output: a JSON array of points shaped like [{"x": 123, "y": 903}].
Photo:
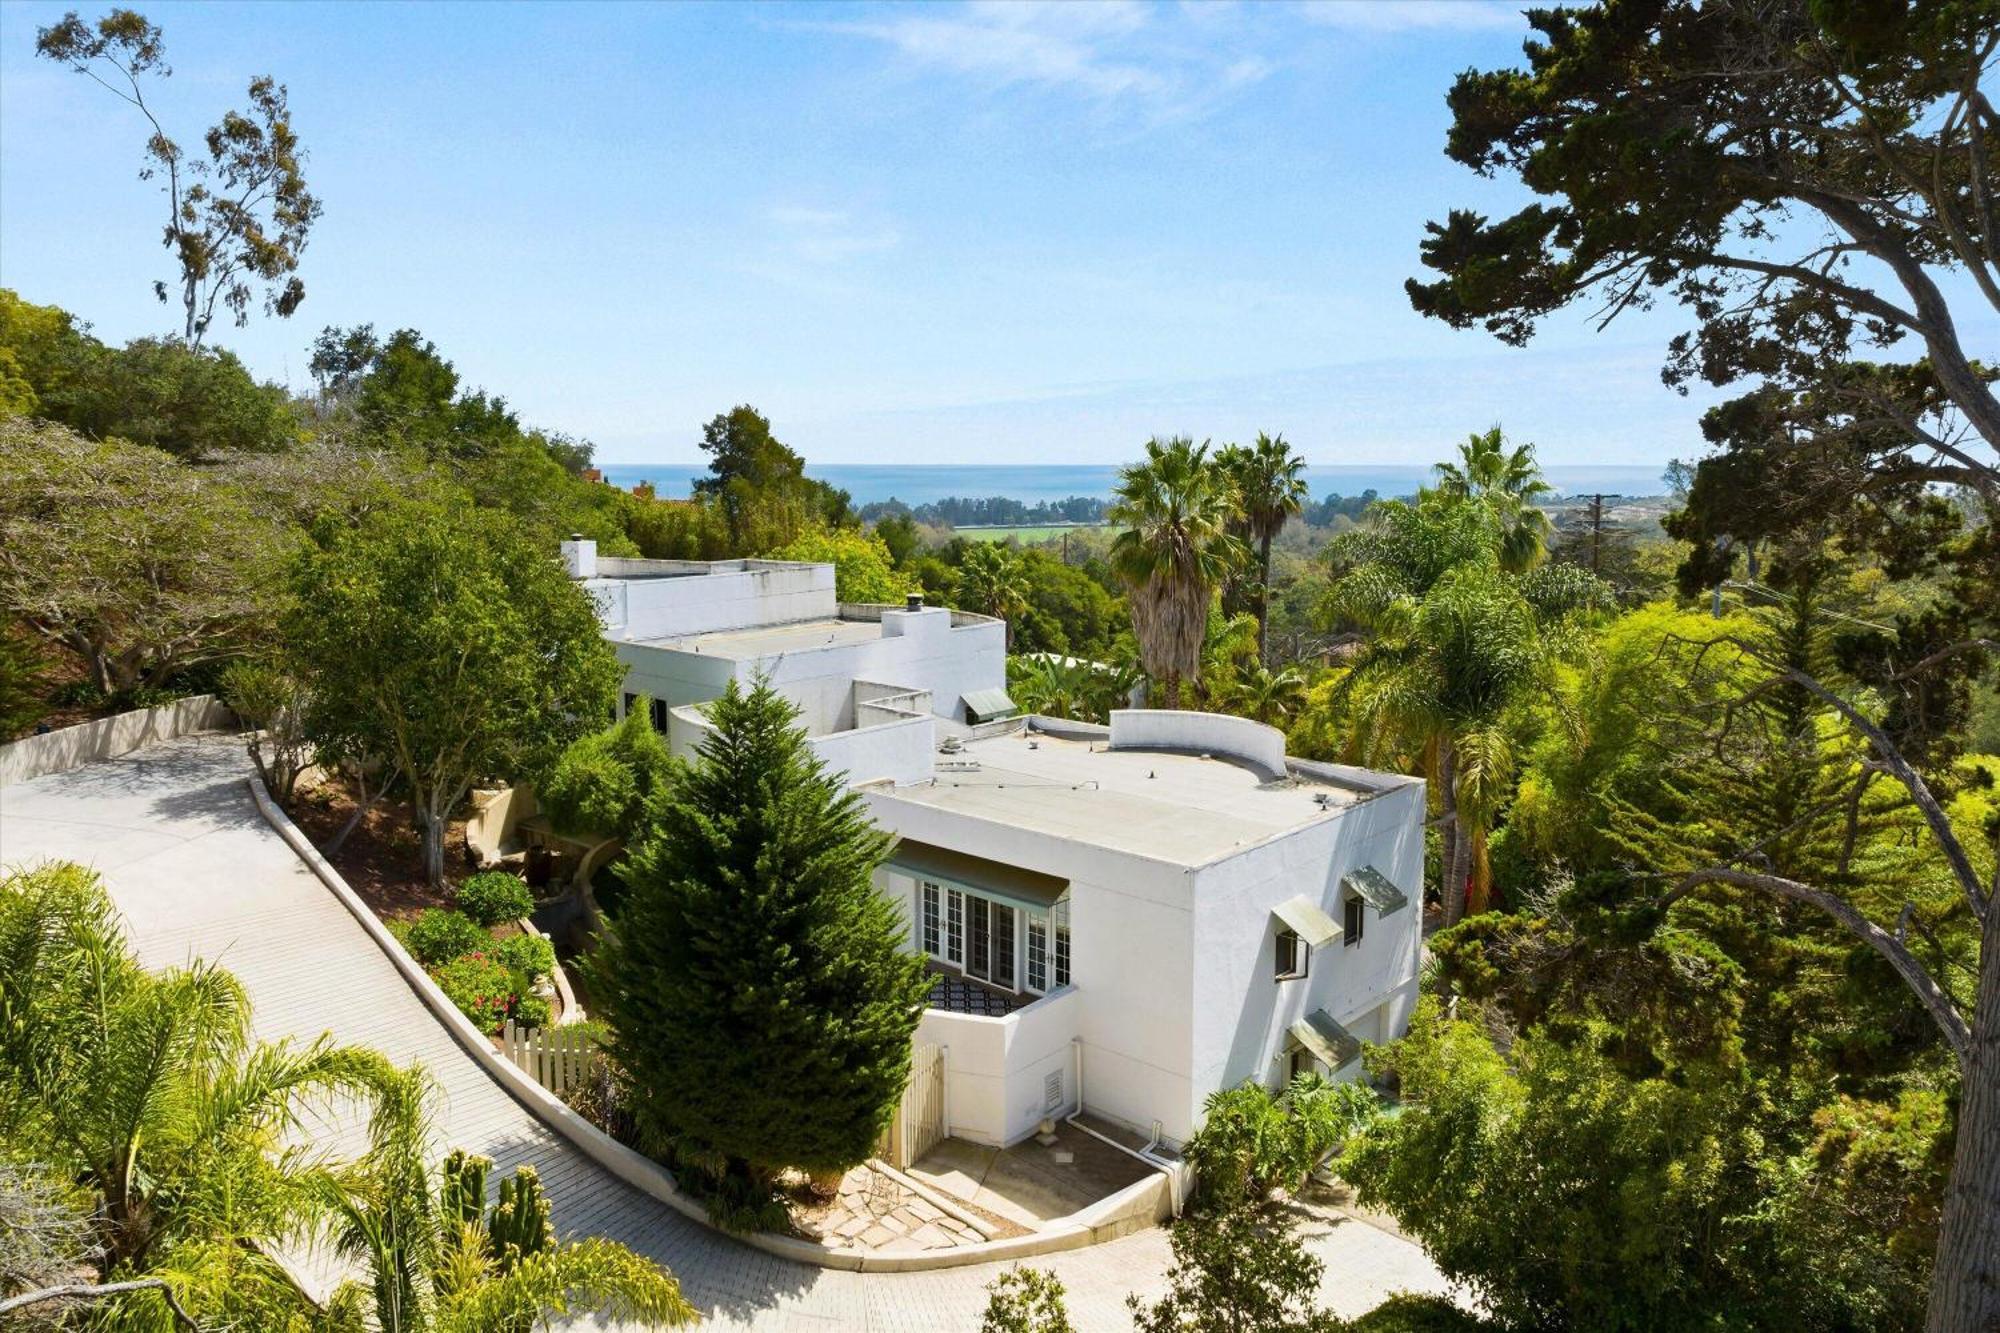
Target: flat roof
[
  {"x": 1164, "y": 804},
  {"x": 758, "y": 641}
]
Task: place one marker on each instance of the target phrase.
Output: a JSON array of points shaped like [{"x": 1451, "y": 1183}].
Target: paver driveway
[{"x": 197, "y": 872}]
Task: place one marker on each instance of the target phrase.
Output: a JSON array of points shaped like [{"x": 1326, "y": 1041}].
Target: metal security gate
[{"x": 918, "y": 1123}]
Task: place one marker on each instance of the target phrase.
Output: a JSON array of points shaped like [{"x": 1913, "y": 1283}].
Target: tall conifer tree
[{"x": 761, "y": 993}]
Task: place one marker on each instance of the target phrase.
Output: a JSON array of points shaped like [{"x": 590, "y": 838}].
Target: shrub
[
  {"x": 590, "y": 788},
  {"x": 440, "y": 935},
  {"x": 494, "y": 896},
  {"x": 531, "y": 957},
  {"x": 1026, "y": 1300},
  {"x": 482, "y": 989},
  {"x": 602, "y": 782},
  {"x": 532, "y": 1011}
]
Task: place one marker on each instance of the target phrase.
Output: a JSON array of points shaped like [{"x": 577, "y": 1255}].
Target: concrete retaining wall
[{"x": 107, "y": 738}]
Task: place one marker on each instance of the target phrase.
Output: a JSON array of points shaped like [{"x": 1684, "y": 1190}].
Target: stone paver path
[
  {"x": 198, "y": 873},
  {"x": 875, "y": 1212}
]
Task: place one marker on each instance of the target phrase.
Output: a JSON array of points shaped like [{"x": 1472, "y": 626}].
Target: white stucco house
[{"x": 1122, "y": 919}]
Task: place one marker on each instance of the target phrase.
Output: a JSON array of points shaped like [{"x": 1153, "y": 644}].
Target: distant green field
[{"x": 1043, "y": 533}]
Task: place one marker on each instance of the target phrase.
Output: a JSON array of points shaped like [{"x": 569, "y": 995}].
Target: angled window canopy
[
  {"x": 1331, "y": 1044},
  {"x": 1374, "y": 888},
  {"x": 988, "y": 705},
  {"x": 1303, "y": 918}
]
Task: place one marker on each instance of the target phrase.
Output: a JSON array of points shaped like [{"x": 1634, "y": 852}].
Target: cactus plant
[
  {"x": 462, "y": 1190},
  {"x": 520, "y": 1223}
]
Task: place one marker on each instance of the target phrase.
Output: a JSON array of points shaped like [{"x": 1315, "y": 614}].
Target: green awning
[
  {"x": 1374, "y": 888},
  {"x": 1331, "y": 1044},
  {"x": 1303, "y": 918},
  {"x": 994, "y": 879},
  {"x": 988, "y": 705}
]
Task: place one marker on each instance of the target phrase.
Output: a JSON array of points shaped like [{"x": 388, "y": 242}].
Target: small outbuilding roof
[
  {"x": 1375, "y": 888},
  {"x": 1332, "y": 1044},
  {"x": 1302, "y": 916}
]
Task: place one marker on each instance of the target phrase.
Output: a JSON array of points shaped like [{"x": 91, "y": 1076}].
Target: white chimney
[{"x": 579, "y": 555}]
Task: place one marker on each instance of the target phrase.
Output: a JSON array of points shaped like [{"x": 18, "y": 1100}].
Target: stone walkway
[
  {"x": 198, "y": 873},
  {"x": 874, "y": 1212}
]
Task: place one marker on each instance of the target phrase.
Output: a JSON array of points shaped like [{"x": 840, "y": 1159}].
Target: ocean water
[{"x": 921, "y": 484}]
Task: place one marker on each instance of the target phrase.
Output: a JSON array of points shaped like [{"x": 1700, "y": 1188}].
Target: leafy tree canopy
[
  {"x": 863, "y": 569},
  {"x": 448, "y": 643}
]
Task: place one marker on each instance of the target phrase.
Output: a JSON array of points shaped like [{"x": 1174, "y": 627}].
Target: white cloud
[
  {"x": 1408, "y": 15},
  {"x": 1113, "y": 52},
  {"x": 828, "y": 235}
]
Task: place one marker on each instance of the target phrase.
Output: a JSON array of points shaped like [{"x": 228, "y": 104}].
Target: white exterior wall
[
  {"x": 898, "y": 750},
  {"x": 671, "y": 677},
  {"x": 1131, "y": 963},
  {"x": 760, "y": 593},
  {"x": 996, "y": 1069},
  {"x": 918, "y": 650},
  {"x": 1202, "y": 733},
  {"x": 1241, "y": 1011}
]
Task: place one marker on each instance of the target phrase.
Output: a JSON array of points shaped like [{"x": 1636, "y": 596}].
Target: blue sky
[{"x": 909, "y": 233}]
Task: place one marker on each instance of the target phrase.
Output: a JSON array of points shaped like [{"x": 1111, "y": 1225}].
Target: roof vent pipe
[{"x": 913, "y": 601}]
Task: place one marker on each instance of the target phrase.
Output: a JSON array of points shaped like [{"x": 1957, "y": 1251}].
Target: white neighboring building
[{"x": 1123, "y": 919}]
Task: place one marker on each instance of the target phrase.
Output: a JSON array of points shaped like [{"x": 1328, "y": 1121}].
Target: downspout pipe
[{"x": 1171, "y": 1170}]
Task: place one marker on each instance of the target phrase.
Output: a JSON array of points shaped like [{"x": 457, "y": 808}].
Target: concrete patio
[{"x": 1029, "y": 1183}]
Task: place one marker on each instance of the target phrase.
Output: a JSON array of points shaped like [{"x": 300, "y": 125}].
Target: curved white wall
[{"x": 1202, "y": 733}]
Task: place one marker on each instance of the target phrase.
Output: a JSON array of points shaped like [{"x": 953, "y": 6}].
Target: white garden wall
[{"x": 61, "y": 750}]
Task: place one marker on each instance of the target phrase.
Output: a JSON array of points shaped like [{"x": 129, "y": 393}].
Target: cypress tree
[{"x": 758, "y": 984}]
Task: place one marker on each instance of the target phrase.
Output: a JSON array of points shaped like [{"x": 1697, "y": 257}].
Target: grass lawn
[{"x": 1034, "y": 533}]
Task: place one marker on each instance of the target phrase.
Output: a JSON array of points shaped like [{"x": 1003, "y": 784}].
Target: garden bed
[{"x": 467, "y": 934}]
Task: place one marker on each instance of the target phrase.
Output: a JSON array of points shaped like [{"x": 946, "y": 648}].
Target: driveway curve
[{"x": 198, "y": 873}]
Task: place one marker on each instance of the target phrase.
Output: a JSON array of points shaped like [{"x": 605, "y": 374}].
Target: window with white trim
[
  {"x": 1062, "y": 955},
  {"x": 927, "y": 916},
  {"x": 1038, "y": 954},
  {"x": 1353, "y": 918},
  {"x": 954, "y": 927}
]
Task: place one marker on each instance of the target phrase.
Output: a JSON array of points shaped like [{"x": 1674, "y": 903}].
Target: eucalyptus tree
[
  {"x": 237, "y": 218},
  {"x": 1507, "y": 481},
  {"x": 1270, "y": 481},
  {"x": 1454, "y": 643},
  {"x": 1175, "y": 549}
]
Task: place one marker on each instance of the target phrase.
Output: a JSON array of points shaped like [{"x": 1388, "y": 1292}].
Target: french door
[{"x": 989, "y": 941}]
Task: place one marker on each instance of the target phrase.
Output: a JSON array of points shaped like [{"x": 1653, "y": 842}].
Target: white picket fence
[{"x": 558, "y": 1058}]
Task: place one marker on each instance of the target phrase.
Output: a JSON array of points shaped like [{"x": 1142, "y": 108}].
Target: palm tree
[
  {"x": 1456, "y": 643},
  {"x": 1070, "y": 687},
  {"x": 989, "y": 583},
  {"x": 1052, "y": 685},
  {"x": 1508, "y": 482},
  {"x": 1270, "y": 488},
  {"x": 148, "y": 1090},
  {"x": 1176, "y": 546},
  {"x": 441, "y": 1261},
  {"x": 1271, "y": 697}
]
